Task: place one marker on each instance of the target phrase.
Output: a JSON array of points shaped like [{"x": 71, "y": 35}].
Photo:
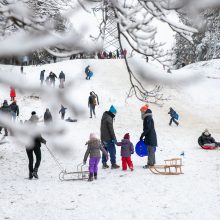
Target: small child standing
[
  {"x": 94, "y": 147},
  {"x": 12, "y": 93},
  {"x": 127, "y": 149}
]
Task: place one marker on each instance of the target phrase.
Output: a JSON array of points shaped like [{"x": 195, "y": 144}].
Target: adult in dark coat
[
  {"x": 207, "y": 139},
  {"x": 5, "y": 109},
  {"x": 35, "y": 148},
  {"x": 14, "y": 110},
  {"x": 52, "y": 77},
  {"x": 172, "y": 114},
  {"x": 149, "y": 136},
  {"x": 108, "y": 137},
  {"x": 42, "y": 77},
  {"x": 92, "y": 103},
  {"x": 62, "y": 79},
  {"x": 47, "y": 116}
]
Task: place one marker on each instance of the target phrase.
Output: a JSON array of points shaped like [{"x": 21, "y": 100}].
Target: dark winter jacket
[
  {"x": 205, "y": 139},
  {"x": 37, "y": 142},
  {"x": 34, "y": 118},
  {"x": 52, "y": 76},
  {"x": 94, "y": 148},
  {"x": 14, "y": 108},
  {"x": 47, "y": 116},
  {"x": 62, "y": 75},
  {"x": 42, "y": 75},
  {"x": 107, "y": 130},
  {"x": 5, "y": 108},
  {"x": 127, "y": 147},
  {"x": 149, "y": 132},
  {"x": 172, "y": 113},
  {"x": 87, "y": 70},
  {"x": 92, "y": 100},
  {"x": 62, "y": 110}
]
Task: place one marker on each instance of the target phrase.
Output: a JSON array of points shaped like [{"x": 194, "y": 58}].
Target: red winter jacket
[{"x": 12, "y": 93}]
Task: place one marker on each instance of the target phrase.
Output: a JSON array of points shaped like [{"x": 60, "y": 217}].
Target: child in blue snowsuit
[{"x": 173, "y": 116}]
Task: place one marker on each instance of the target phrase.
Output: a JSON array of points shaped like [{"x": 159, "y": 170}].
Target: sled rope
[{"x": 55, "y": 159}]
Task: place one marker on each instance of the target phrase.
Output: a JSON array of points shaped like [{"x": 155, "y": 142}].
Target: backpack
[
  {"x": 176, "y": 116},
  {"x": 94, "y": 100}
]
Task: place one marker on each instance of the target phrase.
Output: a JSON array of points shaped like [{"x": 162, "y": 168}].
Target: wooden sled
[{"x": 171, "y": 167}]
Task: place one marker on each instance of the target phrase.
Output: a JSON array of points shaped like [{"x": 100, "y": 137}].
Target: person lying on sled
[{"x": 207, "y": 140}]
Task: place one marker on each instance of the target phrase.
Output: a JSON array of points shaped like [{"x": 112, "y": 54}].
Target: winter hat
[
  {"x": 113, "y": 109},
  {"x": 33, "y": 113},
  {"x": 149, "y": 111},
  {"x": 206, "y": 132},
  {"x": 5, "y": 102},
  {"x": 127, "y": 136},
  {"x": 144, "y": 108},
  {"x": 92, "y": 136}
]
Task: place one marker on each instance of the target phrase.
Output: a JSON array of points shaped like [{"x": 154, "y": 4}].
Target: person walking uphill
[
  {"x": 174, "y": 117},
  {"x": 5, "y": 109},
  {"x": 62, "y": 79},
  {"x": 149, "y": 135},
  {"x": 127, "y": 149},
  {"x": 36, "y": 149},
  {"x": 42, "y": 77},
  {"x": 14, "y": 110},
  {"x": 47, "y": 116},
  {"x": 52, "y": 77},
  {"x": 63, "y": 112},
  {"x": 94, "y": 148},
  {"x": 92, "y": 103},
  {"x": 108, "y": 137}
]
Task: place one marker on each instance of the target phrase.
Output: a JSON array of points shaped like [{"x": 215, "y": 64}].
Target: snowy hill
[{"x": 117, "y": 194}]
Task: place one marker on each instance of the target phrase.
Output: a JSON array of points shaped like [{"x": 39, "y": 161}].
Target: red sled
[{"x": 207, "y": 147}]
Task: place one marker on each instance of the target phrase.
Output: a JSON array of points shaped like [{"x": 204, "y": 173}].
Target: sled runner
[
  {"x": 171, "y": 167},
  {"x": 80, "y": 174}
]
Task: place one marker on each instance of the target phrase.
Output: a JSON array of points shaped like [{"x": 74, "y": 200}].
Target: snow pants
[
  {"x": 126, "y": 161},
  {"x": 173, "y": 120},
  {"x": 37, "y": 152},
  {"x": 93, "y": 164},
  {"x": 92, "y": 110},
  {"x": 109, "y": 147},
  {"x": 151, "y": 155}
]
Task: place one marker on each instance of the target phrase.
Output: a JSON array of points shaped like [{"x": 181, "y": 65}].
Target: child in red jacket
[
  {"x": 12, "y": 93},
  {"x": 127, "y": 149}
]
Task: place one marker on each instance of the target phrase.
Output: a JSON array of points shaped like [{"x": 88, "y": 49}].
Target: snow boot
[
  {"x": 30, "y": 175},
  {"x": 146, "y": 166},
  {"x": 115, "y": 166},
  {"x": 90, "y": 177},
  {"x": 105, "y": 166},
  {"x": 35, "y": 174},
  {"x": 95, "y": 176}
]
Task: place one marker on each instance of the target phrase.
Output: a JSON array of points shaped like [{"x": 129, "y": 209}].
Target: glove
[
  {"x": 132, "y": 152},
  {"x": 141, "y": 137},
  {"x": 84, "y": 162},
  {"x": 114, "y": 141}
]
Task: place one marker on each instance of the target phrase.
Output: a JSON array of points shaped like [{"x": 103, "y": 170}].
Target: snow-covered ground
[{"x": 117, "y": 194}]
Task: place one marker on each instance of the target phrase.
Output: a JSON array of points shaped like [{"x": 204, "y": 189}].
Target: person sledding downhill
[
  {"x": 127, "y": 149},
  {"x": 108, "y": 137},
  {"x": 94, "y": 148},
  {"x": 174, "y": 116},
  {"x": 206, "y": 141}
]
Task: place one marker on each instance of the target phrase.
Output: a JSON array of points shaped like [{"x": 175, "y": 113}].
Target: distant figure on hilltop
[
  {"x": 62, "y": 79},
  {"x": 42, "y": 77},
  {"x": 52, "y": 77}
]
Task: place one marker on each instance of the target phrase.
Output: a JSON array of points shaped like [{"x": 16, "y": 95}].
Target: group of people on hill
[
  {"x": 118, "y": 54},
  {"x": 51, "y": 79}
]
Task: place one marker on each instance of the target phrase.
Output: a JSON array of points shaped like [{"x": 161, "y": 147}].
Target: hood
[{"x": 108, "y": 114}]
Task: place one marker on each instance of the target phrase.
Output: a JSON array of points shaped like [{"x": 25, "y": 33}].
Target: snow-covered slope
[{"x": 117, "y": 194}]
